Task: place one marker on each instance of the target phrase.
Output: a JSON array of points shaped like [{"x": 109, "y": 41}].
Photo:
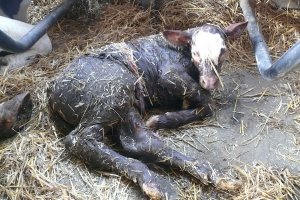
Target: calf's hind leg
[
  {"x": 138, "y": 140},
  {"x": 86, "y": 142}
]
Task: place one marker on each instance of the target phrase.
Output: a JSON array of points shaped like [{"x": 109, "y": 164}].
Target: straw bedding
[{"x": 35, "y": 165}]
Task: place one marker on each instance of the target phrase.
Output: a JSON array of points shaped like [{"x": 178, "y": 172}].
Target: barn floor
[
  {"x": 255, "y": 122},
  {"x": 254, "y": 134},
  {"x": 252, "y": 126}
]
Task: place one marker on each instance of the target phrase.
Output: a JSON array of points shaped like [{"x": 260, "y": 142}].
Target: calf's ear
[
  {"x": 177, "y": 38},
  {"x": 234, "y": 31}
]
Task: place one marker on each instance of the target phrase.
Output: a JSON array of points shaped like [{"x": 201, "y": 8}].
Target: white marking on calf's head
[{"x": 206, "y": 47}]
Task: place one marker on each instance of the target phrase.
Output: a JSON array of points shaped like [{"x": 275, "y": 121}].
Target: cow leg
[
  {"x": 86, "y": 142},
  {"x": 177, "y": 119},
  {"x": 138, "y": 140},
  {"x": 181, "y": 85},
  {"x": 15, "y": 30},
  {"x": 18, "y": 60},
  {"x": 14, "y": 61}
]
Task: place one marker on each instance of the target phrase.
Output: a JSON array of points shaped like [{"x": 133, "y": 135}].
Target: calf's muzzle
[{"x": 209, "y": 82}]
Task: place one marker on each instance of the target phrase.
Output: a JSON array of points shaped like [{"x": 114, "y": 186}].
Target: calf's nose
[{"x": 209, "y": 82}]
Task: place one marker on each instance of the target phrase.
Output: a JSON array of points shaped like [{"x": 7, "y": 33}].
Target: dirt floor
[
  {"x": 255, "y": 123},
  {"x": 252, "y": 126},
  {"x": 253, "y": 135}
]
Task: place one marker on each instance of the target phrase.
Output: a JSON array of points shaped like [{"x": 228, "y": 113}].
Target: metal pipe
[
  {"x": 287, "y": 62},
  {"x": 28, "y": 40}
]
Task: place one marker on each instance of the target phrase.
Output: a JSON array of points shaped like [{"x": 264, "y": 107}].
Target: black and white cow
[
  {"x": 13, "y": 18},
  {"x": 16, "y": 49},
  {"x": 15, "y": 9}
]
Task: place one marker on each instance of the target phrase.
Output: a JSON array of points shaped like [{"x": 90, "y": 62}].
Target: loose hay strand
[{"x": 267, "y": 182}]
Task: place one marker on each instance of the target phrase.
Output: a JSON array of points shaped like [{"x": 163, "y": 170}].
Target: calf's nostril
[
  {"x": 202, "y": 82},
  {"x": 209, "y": 83}
]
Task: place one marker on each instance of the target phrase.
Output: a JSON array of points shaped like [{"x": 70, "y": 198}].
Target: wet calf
[{"x": 111, "y": 88}]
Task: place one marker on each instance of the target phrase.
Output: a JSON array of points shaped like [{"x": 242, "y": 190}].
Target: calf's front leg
[
  {"x": 17, "y": 60},
  {"x": 177, "y": 119},
  {"x": 179, "y": 84}
]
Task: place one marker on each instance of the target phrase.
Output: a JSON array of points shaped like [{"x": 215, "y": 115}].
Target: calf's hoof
[
  {"x": 152, "y": 191},
  {"x": 228, "y": 184},
  {"x": 207, "y": 173},
  {"x": 152, "y": 122},
  {"x": 14, "y": 114}
]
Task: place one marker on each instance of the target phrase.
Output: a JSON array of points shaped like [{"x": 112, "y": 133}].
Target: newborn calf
[{"x": 110, "y": 89}]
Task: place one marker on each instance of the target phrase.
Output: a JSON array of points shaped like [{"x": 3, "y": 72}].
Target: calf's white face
[
  {"x": 208, "y": 44},
  {"x": 208, "y": 48}
]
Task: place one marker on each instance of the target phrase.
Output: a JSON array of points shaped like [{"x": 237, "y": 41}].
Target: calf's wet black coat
[{"x": 111, "y": 88}]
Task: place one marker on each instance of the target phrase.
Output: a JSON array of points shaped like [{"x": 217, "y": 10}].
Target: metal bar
[
  {"x": 28, "y": 40},
  {"x": 286, "y": 63}
]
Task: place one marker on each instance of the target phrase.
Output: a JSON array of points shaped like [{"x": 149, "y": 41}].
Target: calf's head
[{"x": 208, "y": 48}]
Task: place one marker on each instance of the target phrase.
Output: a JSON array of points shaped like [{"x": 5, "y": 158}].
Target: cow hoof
[{"x": 14, "y": 114}]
